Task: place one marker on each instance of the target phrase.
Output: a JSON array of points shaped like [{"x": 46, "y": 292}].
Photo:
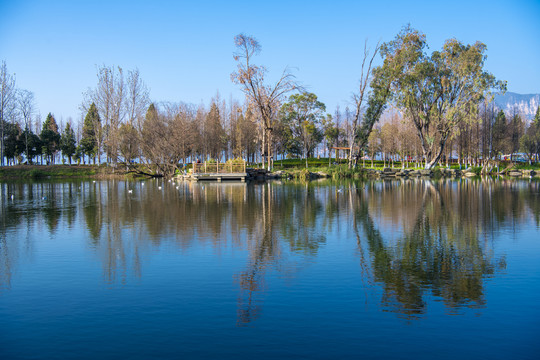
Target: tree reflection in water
[
  {"x": 287, "y": 221},
  {"x": 443, "y": 250},
  {"x": 415, "y": 238}
]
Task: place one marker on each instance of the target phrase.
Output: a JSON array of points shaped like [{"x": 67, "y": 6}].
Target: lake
[{"x": 423, "y": 269}]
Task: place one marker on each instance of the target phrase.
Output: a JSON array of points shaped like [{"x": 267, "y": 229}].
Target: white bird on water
[
  {"x": 130, "y": 191},
  {"x": 12, "y": 197},
  {"x": 159, "y": 187}
]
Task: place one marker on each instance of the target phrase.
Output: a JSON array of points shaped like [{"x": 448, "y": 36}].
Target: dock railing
[{"x": 219, "y": 168}]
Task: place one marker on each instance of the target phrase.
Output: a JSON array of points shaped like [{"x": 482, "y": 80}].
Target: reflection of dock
[
  {"x": 219, "y": 171},
  {"x": 219, "y": 176}
]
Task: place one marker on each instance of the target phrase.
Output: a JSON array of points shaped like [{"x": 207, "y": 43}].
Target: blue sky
[{"x": 183, "y": 49}]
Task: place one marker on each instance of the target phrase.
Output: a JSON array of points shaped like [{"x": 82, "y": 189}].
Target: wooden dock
[{"x": 212, "y": 171}]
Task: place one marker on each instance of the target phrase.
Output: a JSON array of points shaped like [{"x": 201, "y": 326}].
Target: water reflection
[
  {"x": 443, "y": 248},
  {"x": 416, "y": 239}
]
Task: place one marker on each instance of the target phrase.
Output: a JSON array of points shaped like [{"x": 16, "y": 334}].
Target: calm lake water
[{"x": 386, "y": 269}]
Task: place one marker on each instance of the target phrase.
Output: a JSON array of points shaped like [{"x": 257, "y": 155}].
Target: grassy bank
[
  {"x": 296, "y": 168},
  {"x": 54, "y": 171}
]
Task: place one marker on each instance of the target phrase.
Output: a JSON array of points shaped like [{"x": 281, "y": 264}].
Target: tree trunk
[
  {"x": 329, "y": 156},
  {"x": 270, "y": 152},
  {"x": 431, "y": 163},
  {"x": 263, "y": 149}
]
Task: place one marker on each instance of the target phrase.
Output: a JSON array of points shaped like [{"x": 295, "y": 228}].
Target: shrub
[
  {"x": 36, "y": 174},
  {"x": 304, "y": 175}
]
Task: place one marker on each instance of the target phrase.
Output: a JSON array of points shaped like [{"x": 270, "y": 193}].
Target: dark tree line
[{"x": 39, "y": 148}]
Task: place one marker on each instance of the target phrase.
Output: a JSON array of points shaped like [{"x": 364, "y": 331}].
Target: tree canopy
[
  {"x": 91, "y": 133},
  {"x": 437, "y": 91},
  {"x": 50, "y": 137},
  {"x": 68, "y": 143},
  {"x": 302, "y": 114}
]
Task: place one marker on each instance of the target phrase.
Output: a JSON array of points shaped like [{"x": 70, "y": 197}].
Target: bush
[
  {"x": 343, "y": 172},
  {"x": 237, "y": 160},
  {"x": 36, "y": 174},
  {"x": 304, "y": 175}
]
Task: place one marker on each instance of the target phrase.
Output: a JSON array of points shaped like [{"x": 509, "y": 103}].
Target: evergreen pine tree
[
  {"x": 90, "y": 143},
  {"x": 50, "y": 137},
  {"x": 68, "y": 142}
]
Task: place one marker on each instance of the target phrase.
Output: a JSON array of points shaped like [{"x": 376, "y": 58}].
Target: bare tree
[
  {"x": 136, "y": 102},
  {"x": 25, "y": 100},
  {"x": 37, "y": 123},
  {"x": 137, "y": 99},
  {"x": 128, "y": 142},
  {"x": 160, "y": 139},
  {"x": 185, "y": 131},
  {"x": 246, "y": 134},
  {"x": 348, "y": 134},
  {"x": 358, "y": 99},
  {"x": 266, "y": 98},
  {"x": 154, "y": 136},
  {"x": 109, "y": 97},
  {"x": 374, "y": 143},
  {"x": 388, "y": 136},
  {"x": 7, "y": 103}
]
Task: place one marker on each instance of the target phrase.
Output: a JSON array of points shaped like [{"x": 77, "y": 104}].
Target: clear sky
[{"x": 183, "y": 49}]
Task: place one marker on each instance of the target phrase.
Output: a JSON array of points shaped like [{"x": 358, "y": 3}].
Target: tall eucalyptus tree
[{"x": 439, "y": 91}]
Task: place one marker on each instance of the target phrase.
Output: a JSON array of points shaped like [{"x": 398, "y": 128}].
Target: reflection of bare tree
[
  {"x": 293, "y": 216},
  {"x": 256, "y": 217},
  {"x": 263, "y": 251},
  {"x": 115, "y": 233},
  {"x": 441, "y": 253}
]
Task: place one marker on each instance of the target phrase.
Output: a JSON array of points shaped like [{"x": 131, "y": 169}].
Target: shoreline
[{"x": 62, "y": 171}]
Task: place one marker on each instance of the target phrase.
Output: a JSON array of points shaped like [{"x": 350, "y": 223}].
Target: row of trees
[
  {"x": 175, "y": 133},
  {"x": 441, "y": 107},
  {"x": 18, "y": 135},
  {"x": 42, "y": 147},
  {"x": 491, "y": 137}
]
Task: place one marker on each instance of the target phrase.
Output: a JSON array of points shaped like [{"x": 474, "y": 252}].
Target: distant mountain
[{"x": 525, "y": 105}]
